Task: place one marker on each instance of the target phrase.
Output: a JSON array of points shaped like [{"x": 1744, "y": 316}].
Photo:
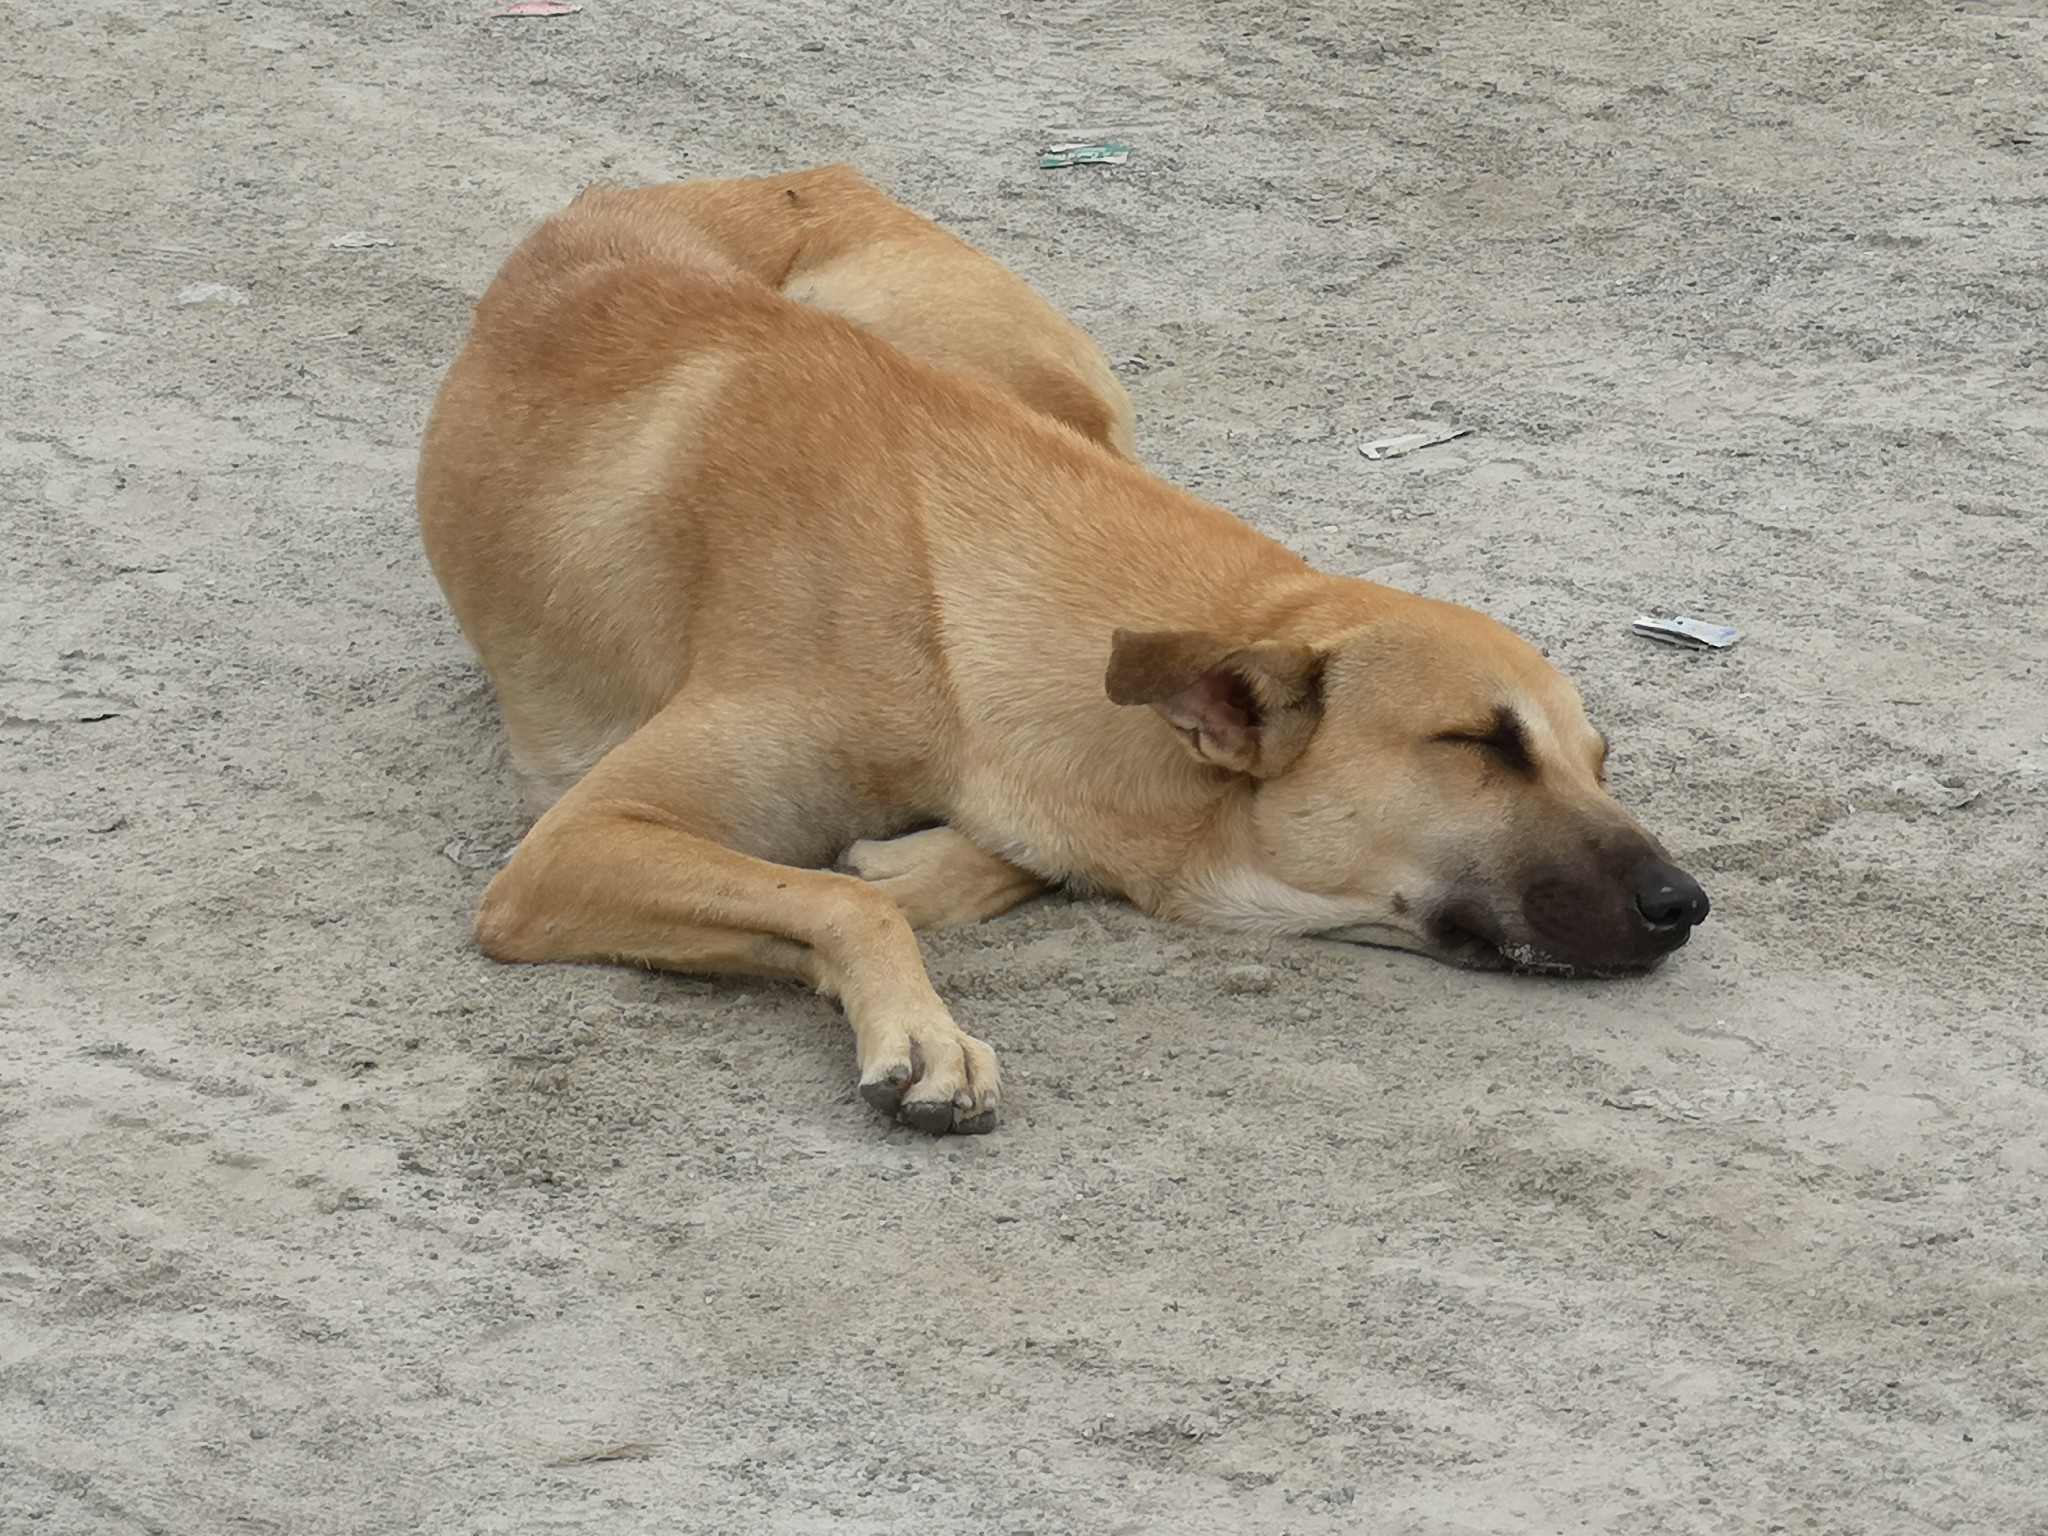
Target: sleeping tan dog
[{"x": 794, "y": 531}]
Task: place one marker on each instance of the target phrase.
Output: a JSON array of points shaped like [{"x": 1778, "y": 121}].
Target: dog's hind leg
[
  {"x": 895, "y": 273},
  {"x": 629, "y": 866},
  {"x": 939, "y": 879},
  {"x": 833, "y": 240}
]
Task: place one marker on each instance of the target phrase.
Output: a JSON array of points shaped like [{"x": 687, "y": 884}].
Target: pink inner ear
[{"x": 1223, "y": 702}]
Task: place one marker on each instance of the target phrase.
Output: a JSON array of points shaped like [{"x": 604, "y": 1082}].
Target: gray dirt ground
[{"x": 312, "y": 1220}]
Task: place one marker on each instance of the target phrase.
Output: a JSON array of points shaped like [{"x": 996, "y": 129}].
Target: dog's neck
[{"x": 1102, "y": 796}]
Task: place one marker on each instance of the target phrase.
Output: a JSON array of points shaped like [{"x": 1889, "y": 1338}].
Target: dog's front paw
[
  {"x": 933, "y": 1077},
  {"x": 880, "y": 860},
  {"x": 939, "y": 879}
]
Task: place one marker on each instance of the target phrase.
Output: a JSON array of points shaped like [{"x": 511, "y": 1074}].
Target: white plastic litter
[{"x": 1691, "y": 634}]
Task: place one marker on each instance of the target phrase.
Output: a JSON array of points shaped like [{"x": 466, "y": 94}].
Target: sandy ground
[{"x": 312, "y": 1220}]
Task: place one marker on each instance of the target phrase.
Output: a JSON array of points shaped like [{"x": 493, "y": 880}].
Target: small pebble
[
  {"x": 1243, "y": 980},
  {"x": 213, "y": 294}
]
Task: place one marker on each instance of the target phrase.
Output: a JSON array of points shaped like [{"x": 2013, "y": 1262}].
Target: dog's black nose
[{"x": 1668, "y": 897}]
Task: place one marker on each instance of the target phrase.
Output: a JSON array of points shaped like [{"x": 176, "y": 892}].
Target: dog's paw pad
[{"x": 934, "y": 1117}]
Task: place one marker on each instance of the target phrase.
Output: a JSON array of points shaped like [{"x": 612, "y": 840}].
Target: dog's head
[{"x": 1425, "y": 780}]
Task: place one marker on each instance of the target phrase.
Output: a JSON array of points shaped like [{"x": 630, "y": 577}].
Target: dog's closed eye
[{"x": 1503, "y": 738}]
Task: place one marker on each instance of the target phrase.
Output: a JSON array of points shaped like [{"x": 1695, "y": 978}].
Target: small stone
[
  {"x": 1245, "y": 980},
  {"x": 218, "y": 295}
]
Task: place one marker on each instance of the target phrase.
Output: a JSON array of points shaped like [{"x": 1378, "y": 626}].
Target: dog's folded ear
[{"x": 1250, "y": 708}]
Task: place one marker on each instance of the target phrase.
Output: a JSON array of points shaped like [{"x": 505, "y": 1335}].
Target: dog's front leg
[{"x": 626, "y": 867}]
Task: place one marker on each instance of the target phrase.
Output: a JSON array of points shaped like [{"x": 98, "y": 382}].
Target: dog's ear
[{"x": 1248, "y": 708}]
